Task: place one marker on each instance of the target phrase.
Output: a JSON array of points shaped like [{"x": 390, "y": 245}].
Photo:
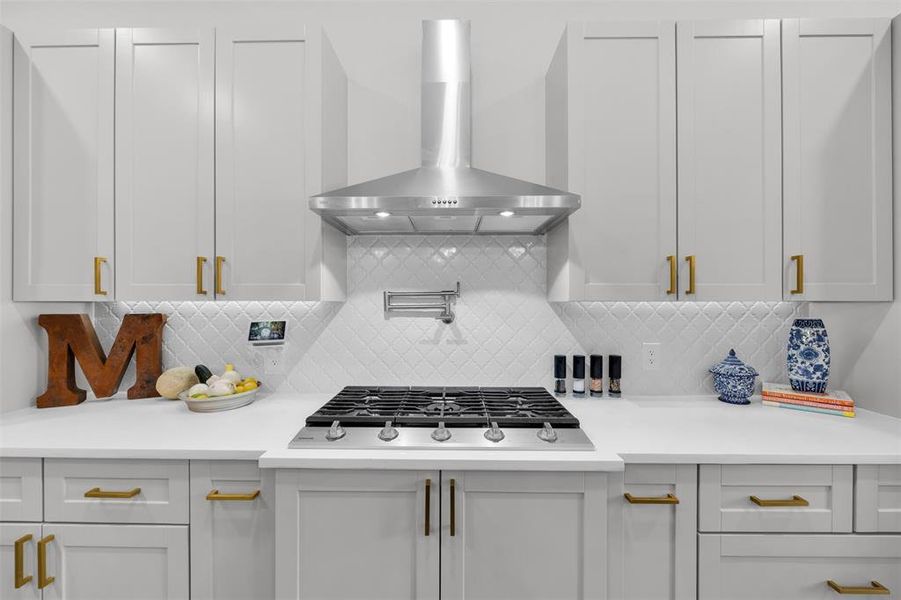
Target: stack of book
[{"x": 831, "y": 403}]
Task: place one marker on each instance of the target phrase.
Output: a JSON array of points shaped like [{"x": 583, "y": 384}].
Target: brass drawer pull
[
  {"x": 793, "y": 501},
  {"x": 672, "y": 275},
  {"x": 20, "y": 576},
  {"x": 874, "y": 589},
  {"x": 98, "y": 493},
  {"x": 453, "y": 507},
  {"x": 691, "y": 260},
  {"x": 98, "y": 288},
  {"x": 201, "y": 261},
  {"x": 668, "y": 499},
  {"x": 217, "y": 495},
  {"x": 220, "y": 291},
  {"x": 43, "y": 579},
  {"x": 428, "y": 506},
  {"x": 799, "y": 274}
]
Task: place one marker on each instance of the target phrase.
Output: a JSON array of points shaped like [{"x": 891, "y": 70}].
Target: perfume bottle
[
  {"x": 596, "y": 384},
  {"x": 578, "y": 375},
  {"x": 615, "y": 364},
  {"x": 560, "y": 375}
]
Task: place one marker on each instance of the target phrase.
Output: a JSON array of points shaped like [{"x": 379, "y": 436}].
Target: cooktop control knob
[
  {"x": 494, "y": 434},
  {"x": 442, "y": 434},
  {"x": 547, "y": 433},
  {"x": 335, "y": 432},
  {"x": 388, "y": 432}
]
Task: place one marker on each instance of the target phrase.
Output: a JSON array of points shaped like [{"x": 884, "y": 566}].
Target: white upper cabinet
[
  {"x": 63, "y": 167},
  {"x": 164, "y": 164},
  {"x": 838, "y": 159},
  {"x": 267, "y": 130},
  {"x": 730, "y": 171},
  {"x": 611, "y": 136}
]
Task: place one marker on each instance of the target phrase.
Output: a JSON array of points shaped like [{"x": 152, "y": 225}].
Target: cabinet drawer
[
  {"x": 796, "y": 567},
  {"x": 877, "y": 498},
  {"x": 778, "y": 498},
  {"x": 116, "y": 491},
  {"x": 21, "y": 489}
]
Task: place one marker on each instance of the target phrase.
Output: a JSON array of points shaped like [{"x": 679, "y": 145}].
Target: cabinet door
[
  {"x": 795, "y": 567},
  {"x": 164, "y": 164},
  {"x": 117, "y": 562},
  {"x": 21, "y": 489},
  {"x": 357, "y": 534},
  {"x": 623, "y": 159},
  {"x": 730, "y": 163},
  {"x": 18, "y": 568},
  {"x": 838, "y": 158},
  {"x": 63, "y": 172},
  {"x": 232, "y": 531},
  {"x": 523, "y": 535},
  {"x": 261, "y": 200},
  {"x": 653, "y": 532},
  {"x": 877, "y": 498}
]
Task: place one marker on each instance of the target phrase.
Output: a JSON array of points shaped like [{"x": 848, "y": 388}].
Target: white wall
[{"x": 866, "y": 337}]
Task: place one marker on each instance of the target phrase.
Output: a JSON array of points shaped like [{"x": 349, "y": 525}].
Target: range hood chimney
[{"x": 446, "y": 194}]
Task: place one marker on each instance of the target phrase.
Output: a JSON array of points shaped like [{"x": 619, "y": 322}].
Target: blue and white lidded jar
[
  {"x": 733, "y": 380},
  {"x": 808, "y": 356}
]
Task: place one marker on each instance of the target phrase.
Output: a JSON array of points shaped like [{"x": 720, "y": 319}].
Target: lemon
[{"x": 250, "y": 385}]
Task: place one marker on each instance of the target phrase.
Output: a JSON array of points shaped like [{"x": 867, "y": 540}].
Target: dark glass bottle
[
  {"x": 615, "y": 364},
  {"x": 560, "y": 375},
  {"x": 596, "y": 385},
  {"x": 578, "y": 375}
]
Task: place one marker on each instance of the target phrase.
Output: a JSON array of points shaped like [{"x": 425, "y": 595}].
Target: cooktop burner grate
[{"x": 358, "y": 406}]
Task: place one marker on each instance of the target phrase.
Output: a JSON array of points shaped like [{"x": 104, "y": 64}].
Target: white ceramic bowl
[{"x": 219, "y": 403}]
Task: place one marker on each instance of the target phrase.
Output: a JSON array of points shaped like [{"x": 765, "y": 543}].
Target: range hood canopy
[{"x": 446, "y": 194}]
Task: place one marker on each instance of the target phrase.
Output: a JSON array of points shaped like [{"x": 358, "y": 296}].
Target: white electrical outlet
[
  {"x": 650, "y": 356},
  {"x": 271, "y": 359}
]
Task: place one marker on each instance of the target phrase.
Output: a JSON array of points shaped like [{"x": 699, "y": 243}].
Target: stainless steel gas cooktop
[{"x": 519, "y": 418}]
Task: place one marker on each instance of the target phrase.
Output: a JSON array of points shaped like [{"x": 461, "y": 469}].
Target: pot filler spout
[{"x": 446, "y": 194}]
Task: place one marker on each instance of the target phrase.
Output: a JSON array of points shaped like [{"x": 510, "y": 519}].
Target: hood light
[
  {"x": 507, "y": 213},
  {"x": 382, "y": 214}
]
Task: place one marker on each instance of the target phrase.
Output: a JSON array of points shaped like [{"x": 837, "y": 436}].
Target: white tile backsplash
[{"x": 505, "y": 332}]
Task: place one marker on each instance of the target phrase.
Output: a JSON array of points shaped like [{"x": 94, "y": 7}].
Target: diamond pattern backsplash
[{"x": 506, "y": 332}]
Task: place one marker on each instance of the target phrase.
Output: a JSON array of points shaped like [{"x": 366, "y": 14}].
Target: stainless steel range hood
[{"x": 446, "y": 194}]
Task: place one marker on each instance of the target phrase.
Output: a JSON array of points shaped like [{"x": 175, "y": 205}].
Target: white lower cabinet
[
  {"x": 797, "y": 567},
  {"x": 522, "y": 535},
  {"x": 498, "y": 534},
  {"x": 652, "y": 532},
  {"x": 18, "y": 561},
  {"x": 232, "y": 531},
  {"x": 357, "y": 534},
  {"x": 112, "y": 562}
]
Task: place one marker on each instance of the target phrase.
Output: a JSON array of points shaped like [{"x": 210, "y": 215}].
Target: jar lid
[{"x": 732, "y": 365}]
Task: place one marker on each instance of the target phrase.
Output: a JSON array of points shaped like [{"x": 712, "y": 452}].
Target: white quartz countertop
[{"x": 635, "y": 430}]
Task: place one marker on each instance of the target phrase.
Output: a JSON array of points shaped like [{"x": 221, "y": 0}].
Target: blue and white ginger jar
[
  {"x": 733, "y": 380},
  {"x": 808, "y": 356}
]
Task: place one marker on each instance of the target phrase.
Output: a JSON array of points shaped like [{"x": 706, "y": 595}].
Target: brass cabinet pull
[
  {"x": 672, "y": 275},
  {"x": 98, "y": 493},
  {"x": 799, "y": 274},
  {"x": 668, "y": 499},
  {"x": 98, "y": 288},
  {"x": 874, "y": 589},
  {"x": 691, "y": 274},
  {"x": 20, "y": 576},
  {"x": 453, "y": 507},
  {"x": 428, "y": 505},
  {"x": 219, "y": 290},
  {"x": 43, "y": 579},
  {"x": 201, "y": 261},
  {"x": 793, "y": 501},
  {"x": 217, "y": 495}
]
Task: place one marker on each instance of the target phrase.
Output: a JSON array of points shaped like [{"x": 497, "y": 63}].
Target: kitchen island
[{"x": 682, "y": 497}]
